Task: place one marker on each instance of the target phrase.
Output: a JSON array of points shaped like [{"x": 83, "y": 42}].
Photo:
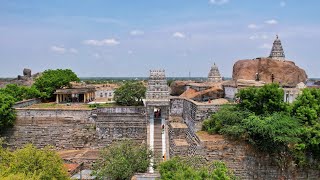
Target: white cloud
[
  {"x": 257, "y": 36},
  {"x": 136, "y": 32},
  {"x": 253, "y": 26},
  {"x": 265, "y": 46},
  {"x": 96, "y": 55},
  {"x": 271, "y": 21},
  {"x": 283, "y": 4},
  {"x": 218, "y": 2},
  {"x": 58, "y": 49},
  {"x": 73, "y": 51},
  {"x": 109, "y": 42},
  {"x": 178, "y": 35},
  {"x": 130, "y": 52}
]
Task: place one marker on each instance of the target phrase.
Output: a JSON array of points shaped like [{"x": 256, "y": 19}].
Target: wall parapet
[
  {"x": 26, "y": 103},
  {"x": 120, "y": 110}
]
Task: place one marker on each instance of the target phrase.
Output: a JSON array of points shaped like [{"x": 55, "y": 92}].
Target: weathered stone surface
[
  {"x": 27, "y": 72},
  {"x": 76, "y": 129},
  {"x": 285, "y": 72},
  {"x": 178, "y": 87}
]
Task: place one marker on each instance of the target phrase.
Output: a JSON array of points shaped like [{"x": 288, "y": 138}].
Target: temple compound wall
[
  {"x": 186, "y": 139},
  {"x": 76, "y": 128}
]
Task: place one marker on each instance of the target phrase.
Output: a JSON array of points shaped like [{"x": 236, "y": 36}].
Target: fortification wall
[
  {"x": 239, "y": 156},
  {"x": 76, "y": 129}
]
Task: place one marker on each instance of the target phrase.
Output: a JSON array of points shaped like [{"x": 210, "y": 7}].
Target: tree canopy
[
  {"x": 121, "y": 160},
  {"x": 7, "y": 114},
  {"x": 288, "y": 131},
  {"x": 20, "y": 93},
  {"x": 50, "y": 80},
  {"x": 130, "y": 94},
  {"x": 31, "y": 163},
  {"x": 179, "y": 168},
  {"x": 267, "y": 99}
]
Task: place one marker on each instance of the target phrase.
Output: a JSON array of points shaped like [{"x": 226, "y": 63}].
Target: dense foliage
[
  {"x": 267, "y": 99},
  {"x": 191, "y": 168},
  {"x": 31, "y": 163},
  {"x": 8, "y": 97},
  {"x": 50, "y": 80},
  {"x": 288, "y": 131},
  {"x": 20, "y": 93},
  {"x": 7, "y": 114},
  {"x": 130, "y": 93},
  {"x": 121, "y": 160}
]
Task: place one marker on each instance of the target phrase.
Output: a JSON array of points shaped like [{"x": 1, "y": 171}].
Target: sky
[{"x": 121, "y": 38}]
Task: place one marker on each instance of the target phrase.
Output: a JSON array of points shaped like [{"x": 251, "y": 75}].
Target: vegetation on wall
[
  {"x": 50, "y": 80},
  {"x": 130, "y": 93},
  {"x": 121, "y": 160},
  {"x": 287, "y": 131},
  {"x": 31, "y": 163},
  {"x": 179, "y": 168}
]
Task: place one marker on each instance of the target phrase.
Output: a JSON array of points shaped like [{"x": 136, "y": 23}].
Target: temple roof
[
  {"x": 214, "y": 74},
  {"x": 277, "y": 50}
]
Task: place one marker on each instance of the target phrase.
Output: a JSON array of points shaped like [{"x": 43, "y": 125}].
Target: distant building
[
  {"x": 277, "y": 52},
  {"x": 78, "y": 93},
  {"x": 105, "y": 92},
  {"x": 214, "y": 74}
]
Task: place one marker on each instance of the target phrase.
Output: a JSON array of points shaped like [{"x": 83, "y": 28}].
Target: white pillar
[{"x": 151, "y": 125}]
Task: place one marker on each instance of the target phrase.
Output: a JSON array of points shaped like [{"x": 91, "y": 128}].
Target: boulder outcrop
[{"x": 266, "y": 69}]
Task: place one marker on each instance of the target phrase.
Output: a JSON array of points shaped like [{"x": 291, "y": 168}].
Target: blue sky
[{"x": 127, "y": 38}]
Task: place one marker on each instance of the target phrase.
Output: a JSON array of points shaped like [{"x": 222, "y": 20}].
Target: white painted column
[
  {"x": 163, "y": 136},
  {"x": 151, "y": 125}
]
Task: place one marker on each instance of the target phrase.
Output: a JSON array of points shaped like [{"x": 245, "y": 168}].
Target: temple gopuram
[{"x": 277, "y": 52}]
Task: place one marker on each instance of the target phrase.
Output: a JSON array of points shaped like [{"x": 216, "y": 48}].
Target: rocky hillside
[{"x": 284, "y": 72}]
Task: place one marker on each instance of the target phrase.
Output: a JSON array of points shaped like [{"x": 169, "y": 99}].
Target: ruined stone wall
[
  {"x": 239, "y": 156},
  {"x": 76, "y": 129},
  {"x": 250, "y": 164}
]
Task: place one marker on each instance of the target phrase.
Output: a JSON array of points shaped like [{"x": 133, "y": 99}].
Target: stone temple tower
[
  {"x": 157, "y": 112},
  {"x": 277, "y": 52},
  {"x": 214, "y": 74}
]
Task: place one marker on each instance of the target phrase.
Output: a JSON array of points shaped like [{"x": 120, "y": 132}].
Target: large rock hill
[{"x": 285, "y": 72}]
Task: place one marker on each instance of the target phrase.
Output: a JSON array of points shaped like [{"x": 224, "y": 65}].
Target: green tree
[
  {"x": 267, "y": 99},
  {"x": 130, "y": 94},
  {"x": 121, "y": 160},
  {"x": 50, "y": 80},
  {"x": 21, "y": 92},
  {"x": 179, "y": 168},
  {"x": 7, "y": 114},
  {"x": 31, "y": 163},
  {"x": 307, "y": 106}
]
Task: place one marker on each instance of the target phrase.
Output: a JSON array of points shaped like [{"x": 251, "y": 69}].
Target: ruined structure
[
  {"x": 277, "y": 52},
  {"x": 214, "y": 74}
]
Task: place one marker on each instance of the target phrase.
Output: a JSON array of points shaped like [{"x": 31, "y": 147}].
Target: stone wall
[
  {"x": 248, "y": 163},
  {"x": 26, "y": 103},
  {"x": 76, "y": 129},
  {"x": 186, "y": 140}
]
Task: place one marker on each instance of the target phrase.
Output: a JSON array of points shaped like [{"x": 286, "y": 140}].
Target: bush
[
  {"x": 121, "y": 160},
  {"x": 7, "y": 114},
  {"x": 31, "y": 163},
  {"x": 179, "y": 168}
]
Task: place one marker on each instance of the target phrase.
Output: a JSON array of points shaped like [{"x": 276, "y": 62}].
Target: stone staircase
[{"x": 157, "y": 138}]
